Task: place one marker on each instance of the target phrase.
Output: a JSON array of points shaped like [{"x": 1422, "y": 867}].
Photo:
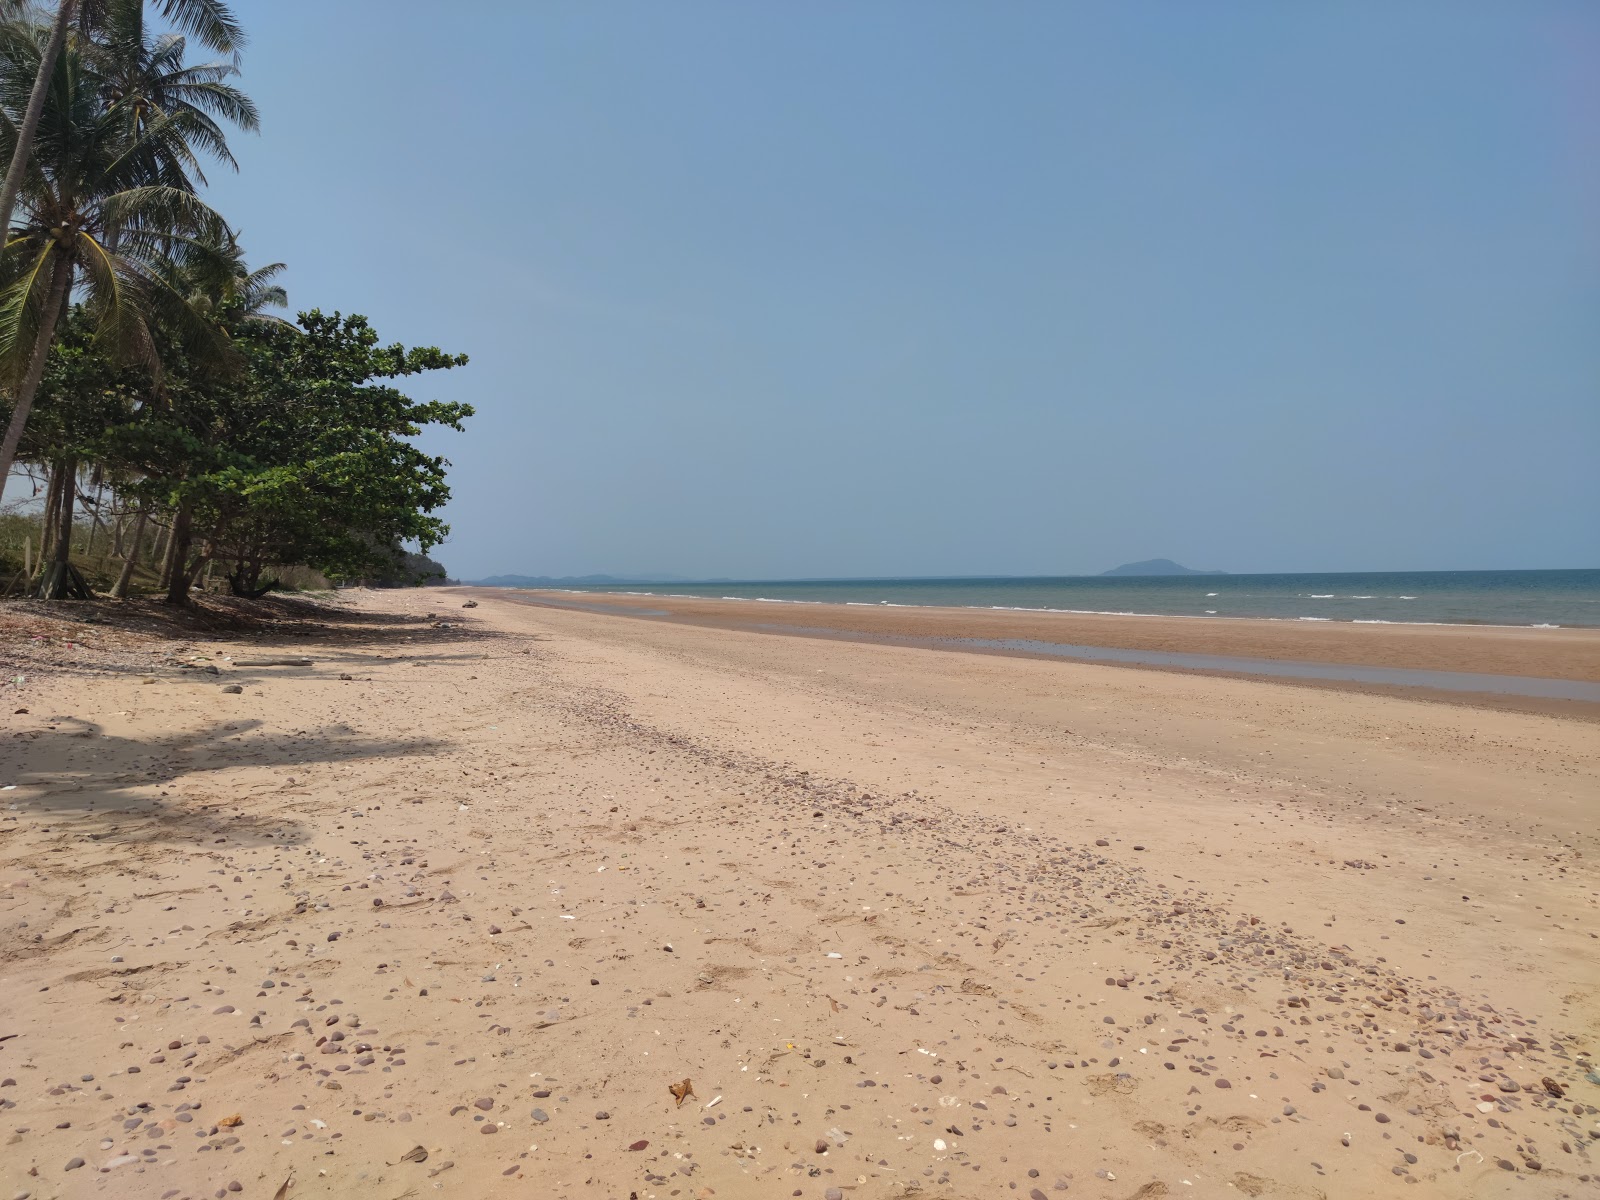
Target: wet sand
[
  {"x": 450, "y": 908},
  {"x": 1494, "y": 650}
]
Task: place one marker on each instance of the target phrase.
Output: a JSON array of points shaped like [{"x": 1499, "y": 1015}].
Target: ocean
[{"x": 1537, "y": 598}]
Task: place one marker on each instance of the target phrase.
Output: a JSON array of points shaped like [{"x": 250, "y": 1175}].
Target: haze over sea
[{"x": 1563, "y": 598}]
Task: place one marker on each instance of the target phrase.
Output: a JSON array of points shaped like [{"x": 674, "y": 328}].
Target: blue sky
[{"x": 766, "y": 290}]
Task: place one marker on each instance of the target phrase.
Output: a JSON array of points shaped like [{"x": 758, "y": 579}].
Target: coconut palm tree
[
  {"x": 210, "y": 21},
  {"x": 101, "y": 210},
  {"x": 145, "y": 78},
  {"x": 221, "y": 287}
]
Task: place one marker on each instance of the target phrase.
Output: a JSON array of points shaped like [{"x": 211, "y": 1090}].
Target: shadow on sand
[{"x": 101, "y": 781}]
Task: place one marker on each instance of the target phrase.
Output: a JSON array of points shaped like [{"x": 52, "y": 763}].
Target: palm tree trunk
[
  {"x": 119, "y": 590},
  {"x": 30, "y": 119},
  {"x": 60, "y": 277}
]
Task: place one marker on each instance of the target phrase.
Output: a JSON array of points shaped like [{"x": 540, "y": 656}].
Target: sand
[
  {"x": 451, "y": 909},
  {"x": 1572, "y": 653}
]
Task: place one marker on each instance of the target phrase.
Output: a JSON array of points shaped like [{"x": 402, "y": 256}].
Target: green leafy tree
[{"x": 304, "y": 456}]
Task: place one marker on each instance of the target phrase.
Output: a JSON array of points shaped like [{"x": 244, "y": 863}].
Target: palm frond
[
  {"x": 211, "y": 22},
  {"x": 23, "y": 298},
  {"x": 114, "y": 296}
]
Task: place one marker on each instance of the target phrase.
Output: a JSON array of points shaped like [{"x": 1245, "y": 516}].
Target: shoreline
[
  {"x": 1022, "y": 608},
  {"x": 1533, "y": 653}
]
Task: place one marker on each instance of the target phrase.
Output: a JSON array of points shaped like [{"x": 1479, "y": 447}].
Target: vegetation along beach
[{"x": 582, "y": 613}]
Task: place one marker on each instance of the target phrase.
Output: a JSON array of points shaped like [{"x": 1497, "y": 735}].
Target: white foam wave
[{"x": 1084, "y": 612}]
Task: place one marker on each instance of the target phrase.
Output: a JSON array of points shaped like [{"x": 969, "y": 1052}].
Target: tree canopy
[{"x": 142, "y": 367}]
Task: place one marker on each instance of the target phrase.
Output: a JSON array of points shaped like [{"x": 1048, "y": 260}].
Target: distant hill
[
  {"x": 1157, "y": 566},
  {"x": 552, "y": 581}
]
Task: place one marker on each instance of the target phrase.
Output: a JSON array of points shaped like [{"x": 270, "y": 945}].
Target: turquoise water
[{"x": 1562, "y": 598}]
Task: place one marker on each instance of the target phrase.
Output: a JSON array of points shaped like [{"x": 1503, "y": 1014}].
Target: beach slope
[{"x": 523, "y": 901}]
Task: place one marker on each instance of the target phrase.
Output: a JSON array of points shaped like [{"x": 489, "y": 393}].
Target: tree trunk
[
  {"x": 30, "y": 118},
  {"x": 158, "y": 552},
  {"x": 60, "y": 277},
  {"x": 180, "y": 574},
  {"x": 96, "y": 524},
  {"x": 119, "y": 590},
  {"x": 47, "y": 521},
  {"x": 55, "y": 581},
  {"x": 170, "y": 555}
]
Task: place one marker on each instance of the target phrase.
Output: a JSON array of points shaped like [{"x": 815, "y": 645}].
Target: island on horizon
[{"x": 1157, "y": 566}]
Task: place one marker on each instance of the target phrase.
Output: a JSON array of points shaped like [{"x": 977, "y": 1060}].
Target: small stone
[
  {"x": 1221, "y": 1083},
  {"x": 540, "y": 1115},
  {"x": 233, "y": 689},
  {"x": 484, "y": 1103},
  {"x": 639, "y": 1145},
  {"x": 1101, "y": 842},
  {"x": 74, "y": 1163},
  {"x": 602, "y": 1115}
]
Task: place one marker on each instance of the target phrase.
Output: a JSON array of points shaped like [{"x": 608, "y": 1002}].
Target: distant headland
[{"x": 1157, "y": 566}]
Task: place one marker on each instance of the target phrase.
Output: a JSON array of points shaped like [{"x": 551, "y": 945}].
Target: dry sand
[{"x": 449, "y": 910}]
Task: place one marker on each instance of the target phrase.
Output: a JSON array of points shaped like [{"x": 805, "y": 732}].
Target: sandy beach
[{"x": 400, "y": 898}]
